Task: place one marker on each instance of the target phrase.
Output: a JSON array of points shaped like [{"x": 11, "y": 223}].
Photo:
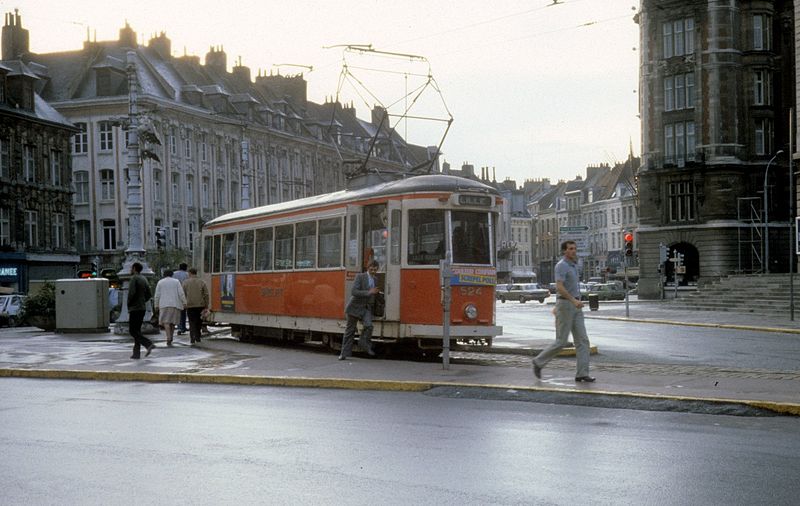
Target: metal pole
[
  {"x": 766, "y": 214},
  {"x": 446, "y": 273},
  {"x": 792, "y": 253},
  {"x": 627, "y": 309}
]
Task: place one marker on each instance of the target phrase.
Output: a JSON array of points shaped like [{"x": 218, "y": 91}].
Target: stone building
[
  {"x": 35, "y": 193},
  {"x": 717, "y": 81},
  {"x": 594, "y": 211},
  {"x": 216, "y": 141}
]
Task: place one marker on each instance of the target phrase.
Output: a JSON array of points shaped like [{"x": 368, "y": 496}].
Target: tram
[{"x": 284, "y": 271}]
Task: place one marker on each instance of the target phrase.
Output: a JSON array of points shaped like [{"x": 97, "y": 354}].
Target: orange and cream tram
[{"x": 285, "y": 270}]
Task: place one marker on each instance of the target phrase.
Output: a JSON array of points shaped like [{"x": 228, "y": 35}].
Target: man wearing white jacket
[{"x": 170, "y": 301}]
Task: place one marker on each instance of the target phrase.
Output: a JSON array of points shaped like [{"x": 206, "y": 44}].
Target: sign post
[{"x": 445, "y": 273}]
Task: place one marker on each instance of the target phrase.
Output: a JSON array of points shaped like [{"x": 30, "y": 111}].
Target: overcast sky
[{"x": 535, "y": 90}]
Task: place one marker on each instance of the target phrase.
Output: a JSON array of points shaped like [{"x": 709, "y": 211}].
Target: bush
[{"x": 42, "y": 303}]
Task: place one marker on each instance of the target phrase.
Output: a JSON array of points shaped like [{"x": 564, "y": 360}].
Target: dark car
[{"x": 522, "y": 292}]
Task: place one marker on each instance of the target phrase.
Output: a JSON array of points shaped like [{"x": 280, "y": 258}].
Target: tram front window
[
  {"x": 426, "y": 242},
  {"x": 471, "y": 237}
]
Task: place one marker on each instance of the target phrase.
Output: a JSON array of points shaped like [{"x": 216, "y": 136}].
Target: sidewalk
[{"x": 29, "y": 352}]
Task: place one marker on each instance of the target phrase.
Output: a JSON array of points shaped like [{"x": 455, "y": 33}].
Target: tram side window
[
  {"x": 426, "y": 245},
  {"x": 207, "y": 244},
  {"x": 229, "y": 247},
  {"x": 330, "y": 242},
  {"x": 284, "y": 240},
  {"x": 217, "y": 253},
  {"x": 471, "y": 237},
  {"x": 264, "y": 249},
  {"x": 305, "y": 240},
  {"x": 395, "y": 237},
  {"x": 352, "y": 242},
  {"x": 246, "y": 250}
]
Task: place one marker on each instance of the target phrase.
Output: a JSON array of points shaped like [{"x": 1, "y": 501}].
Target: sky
[{"x": 535, "y": 90}]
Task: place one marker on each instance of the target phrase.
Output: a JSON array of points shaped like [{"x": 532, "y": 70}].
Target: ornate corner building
[
  {"x": 213, "y": 140},
  {"x": 35, "y": 194},
  {"x": 717, "y": 83}
]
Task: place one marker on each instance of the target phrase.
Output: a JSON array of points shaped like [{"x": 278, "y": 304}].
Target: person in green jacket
[{"x": 138, "y": 295}]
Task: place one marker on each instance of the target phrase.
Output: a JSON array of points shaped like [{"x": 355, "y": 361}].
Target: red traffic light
[{"x": 628, "y": 237}]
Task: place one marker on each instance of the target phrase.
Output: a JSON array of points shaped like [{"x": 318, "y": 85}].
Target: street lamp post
[
  {"x": 766, "y": 215},
  {"x": 135, "y": 251}
]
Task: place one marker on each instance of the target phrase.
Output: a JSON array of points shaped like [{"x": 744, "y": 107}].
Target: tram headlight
[{"x": 471, "y": 312}]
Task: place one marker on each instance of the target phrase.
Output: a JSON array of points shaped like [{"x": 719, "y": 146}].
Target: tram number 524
[{"x": 470, "y": 290}]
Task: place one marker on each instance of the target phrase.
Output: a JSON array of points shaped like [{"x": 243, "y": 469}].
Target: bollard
[{"x": 594, "y": 302}]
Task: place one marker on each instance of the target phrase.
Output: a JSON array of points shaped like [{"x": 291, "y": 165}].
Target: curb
[
  {"x": 783, "y": 408},
  {"x": 731, "y": 326},
  {"x": 532, "y": 352}
]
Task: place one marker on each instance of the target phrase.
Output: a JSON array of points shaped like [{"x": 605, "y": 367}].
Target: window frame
[
  {"x": 106, "y": 136},
  {"x": 107, "y": 185},
  {"x": 109, "y": 234},
  {"x": 5, "y": 226},
  {"x": 32, "y": 228},
  {"x": 80, "y": 140},
  {"x": 29, "y": 163}
]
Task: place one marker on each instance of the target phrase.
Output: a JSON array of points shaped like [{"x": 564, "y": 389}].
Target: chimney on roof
[
  {"x": 468, "y": 169},
  {"x": 15, "y": 38},
  {"x": 295, "y": 87},
  {"x": 216, "y": 59},
  {"x": 241, "y": 73},
  {"x": 378, "y": 116},
  {"x": 161, "y": 45},
  {"x": 127, "y": 37}
]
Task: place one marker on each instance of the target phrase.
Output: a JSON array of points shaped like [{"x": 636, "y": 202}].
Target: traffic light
[
  {"x": 663, "y": 253},
  {"x": 161, "y": 238},
  {"x": 94, "y": 269},
  {"x": 628, "y": 244}
]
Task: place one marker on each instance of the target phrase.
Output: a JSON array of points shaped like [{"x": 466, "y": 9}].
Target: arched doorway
[{"x": 690, "y": 262}]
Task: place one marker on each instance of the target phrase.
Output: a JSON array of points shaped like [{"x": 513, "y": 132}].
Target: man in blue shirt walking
[{"x": 569, "y": 316}]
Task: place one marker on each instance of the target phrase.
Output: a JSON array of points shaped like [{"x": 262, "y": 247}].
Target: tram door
[
  {"x": 375, "y": 226},
  {"x": 391, "y": 287},
  {"x": 353, "y": 247}
]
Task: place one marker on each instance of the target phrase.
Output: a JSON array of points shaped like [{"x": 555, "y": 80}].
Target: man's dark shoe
[
  {"x": 342, "y": 357},
  {"x": 371, "y": 352},
  {"x": 537, "y": 371},
  {"x": 587, "y": 379},
  {"x": 149, "y": 349},
  {"x": 135, "y": 357}
]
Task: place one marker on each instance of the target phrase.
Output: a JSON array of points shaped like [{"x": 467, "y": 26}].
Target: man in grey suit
[{"x": 362, "y": 299}]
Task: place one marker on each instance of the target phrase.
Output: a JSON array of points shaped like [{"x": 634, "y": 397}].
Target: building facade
[
  {"x": 35, "y": 193},
  {"x": 717, "y": 82},
  {"x": 213, "y": 140}
]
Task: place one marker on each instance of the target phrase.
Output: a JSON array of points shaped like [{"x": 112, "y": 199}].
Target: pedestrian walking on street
[
  {"x": 362, "y": 300},
  {"x": 138, "y": 295},
  {"x": 170, "y": 301},
  {"x": 197, "y": 300},
  {"x": 569, "y": 316},
  {"x": 182, "y": 275}
]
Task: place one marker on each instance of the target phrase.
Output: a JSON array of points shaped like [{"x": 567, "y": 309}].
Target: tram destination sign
[{"x": 481, "y": 276}]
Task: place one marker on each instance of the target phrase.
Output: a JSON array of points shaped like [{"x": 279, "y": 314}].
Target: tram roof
[{"x": 415, "y": 184}]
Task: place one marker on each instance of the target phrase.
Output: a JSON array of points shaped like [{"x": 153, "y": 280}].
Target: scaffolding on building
[{"x": 751, "y": 237}]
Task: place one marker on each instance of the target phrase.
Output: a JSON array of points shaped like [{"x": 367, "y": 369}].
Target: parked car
[
  {"x": 9, "y": 309},
  {"x": 608, "y": 291},
  {"x": 523, "y": 292}
]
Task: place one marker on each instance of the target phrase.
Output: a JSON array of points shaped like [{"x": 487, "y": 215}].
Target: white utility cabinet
[{"x": 82, "y": 305}]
